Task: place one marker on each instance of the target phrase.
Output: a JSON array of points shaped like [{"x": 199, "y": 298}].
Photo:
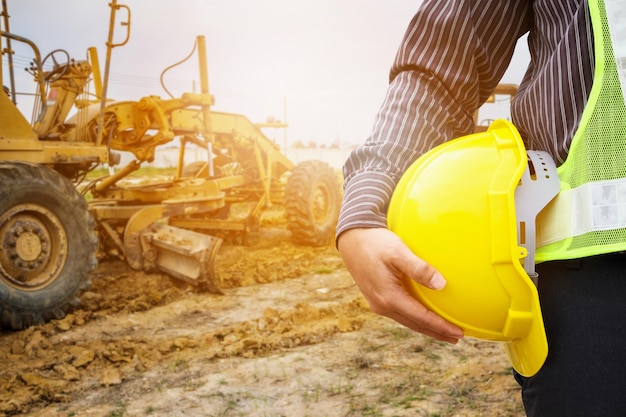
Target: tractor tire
[
  {"x": 47, "y": 245},
  {"x": 312, "y": 202}
]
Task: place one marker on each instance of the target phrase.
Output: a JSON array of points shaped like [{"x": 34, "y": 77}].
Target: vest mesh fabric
[{"x": 598, "y": 150}]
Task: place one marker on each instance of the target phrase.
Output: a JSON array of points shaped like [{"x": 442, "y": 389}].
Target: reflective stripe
[{"x": 592, "y": 207}]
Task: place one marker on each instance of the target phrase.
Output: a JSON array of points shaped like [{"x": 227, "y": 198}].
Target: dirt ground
[{"x": 291, "y": 336}]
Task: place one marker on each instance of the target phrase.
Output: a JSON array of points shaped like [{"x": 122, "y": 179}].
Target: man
[{"x": 451, "y": 58}]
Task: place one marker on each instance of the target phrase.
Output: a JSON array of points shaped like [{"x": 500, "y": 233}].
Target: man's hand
[{"x": 378, "y": 260}]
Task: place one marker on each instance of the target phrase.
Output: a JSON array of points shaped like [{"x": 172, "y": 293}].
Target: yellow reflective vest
[{"x": 588, "y": 217}]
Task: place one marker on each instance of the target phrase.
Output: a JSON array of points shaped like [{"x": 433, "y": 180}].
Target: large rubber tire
[
  {"x": 312, "y": 202},
  {"x": 47, "y": 245}
]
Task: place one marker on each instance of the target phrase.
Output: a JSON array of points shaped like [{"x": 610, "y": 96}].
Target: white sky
[{"x": 328, "y": 60}]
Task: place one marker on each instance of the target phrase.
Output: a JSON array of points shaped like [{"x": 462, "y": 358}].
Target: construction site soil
[{"x": 291, "y": 336}]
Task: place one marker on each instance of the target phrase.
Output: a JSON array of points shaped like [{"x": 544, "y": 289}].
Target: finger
[
  {"x": 420, "y": 271},
  {"x": 397, "y": 304},
  {"x": 425, "y": 331},
  {"x": 417, "y": 317}
]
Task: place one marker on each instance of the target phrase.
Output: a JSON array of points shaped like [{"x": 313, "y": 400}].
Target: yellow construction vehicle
[{"x": 50, "y": 235}]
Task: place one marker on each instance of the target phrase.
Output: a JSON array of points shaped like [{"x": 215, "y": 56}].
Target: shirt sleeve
[{"x": 451, "y": 58}]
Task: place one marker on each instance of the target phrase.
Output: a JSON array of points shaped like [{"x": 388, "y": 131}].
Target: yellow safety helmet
[{"x": 468, "y": 208}]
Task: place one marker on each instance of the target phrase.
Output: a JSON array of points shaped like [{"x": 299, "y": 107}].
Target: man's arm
[{"x": 452, "y": 56}]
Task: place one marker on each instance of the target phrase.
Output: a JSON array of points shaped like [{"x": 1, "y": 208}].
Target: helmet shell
[{"x": 455, "y": 208}]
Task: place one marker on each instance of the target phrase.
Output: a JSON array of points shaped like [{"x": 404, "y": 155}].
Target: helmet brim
[{"x": 527, "y": 355}]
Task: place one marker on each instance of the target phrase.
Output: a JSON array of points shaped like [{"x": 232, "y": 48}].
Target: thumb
[{"x": 418, "y": 269}]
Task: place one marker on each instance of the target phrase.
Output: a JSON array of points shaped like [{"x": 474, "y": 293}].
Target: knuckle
[{"x": 420, "y": 270}]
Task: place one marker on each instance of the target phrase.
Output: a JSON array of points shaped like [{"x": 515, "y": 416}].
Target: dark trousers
[{"x": 584, "y": 309}]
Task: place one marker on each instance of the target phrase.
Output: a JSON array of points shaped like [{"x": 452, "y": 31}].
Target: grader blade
[{"x": 184, "y": 254}]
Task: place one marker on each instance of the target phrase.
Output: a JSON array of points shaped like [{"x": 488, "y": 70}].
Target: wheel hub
[
  {"x": 28, "y": 246},
  {"x": 33, "y": 246},
  {"x": 27, "y": 243},
  {"x": 320, "y": 206}
]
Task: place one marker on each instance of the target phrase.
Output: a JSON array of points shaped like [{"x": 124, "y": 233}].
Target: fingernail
[{"x": 437, "y": 281}]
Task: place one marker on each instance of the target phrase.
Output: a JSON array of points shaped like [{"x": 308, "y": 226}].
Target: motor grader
[{"x": 56, "y": 221}]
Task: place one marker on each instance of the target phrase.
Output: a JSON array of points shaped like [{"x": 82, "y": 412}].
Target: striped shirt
[{"x": 452, "y": 56}]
